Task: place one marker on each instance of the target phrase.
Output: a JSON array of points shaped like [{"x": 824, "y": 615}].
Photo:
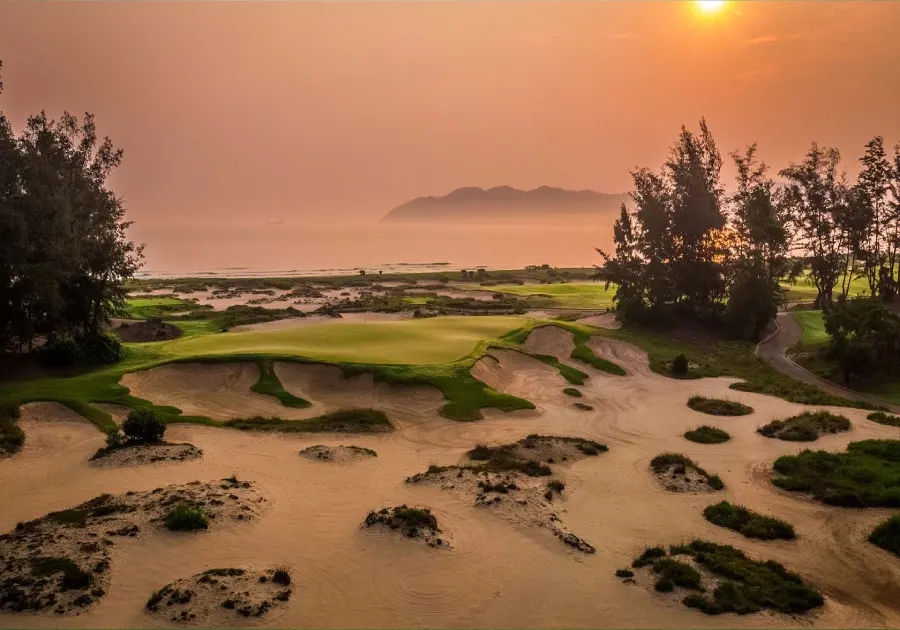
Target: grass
[
  {"x": 11, "y": 435},
  {"x": 748, "y": 523},
  {"x": 70, "y": 518},
  {"x": 866, "y": 475},
  {"x": 571, "y": 391},
  {"x": 145, "y": 308},
  {"x": 681, "y": 463},
  {"x": 707, "y": 435},
  {"x": 270, "y": 384},
  {"x": 186, "y": 518},
  {"x": 805, "y": 427},
  {"x": 813, "y": 324},
  {"x": 674, "y": 573},
  {"x": 343, "y": 421},
  {"x": 887, "y": 535},
  {"x": 73, "y": 577},
  {"x": 583, "y": 353},
  {"x": 583, "y": 406},
  {"x": 567, "y": 295},
  {"x": 573, "y": 375},
  {"x": 884, "y": 418},
  {"x": 718, "y": 407}
]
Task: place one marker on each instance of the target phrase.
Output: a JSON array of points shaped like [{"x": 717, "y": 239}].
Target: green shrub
[
  {"x": 718, "y": 407},
  {"x": 884, "y": 418},
  {"x": 680, "y": 365},
  {"x": 747, "y": 522},
  {"x": 707, "y": 435},
  {"x": 11, "y": 435},
  {"x": 887, "y": 535},
  {"x": 805, "y": 427},
  {"x": 649, "y": 556},
  {"x": 583, "y": 406},
  {"x": 678, "y": 573},
  {"x": 571, "y": 391},
  {"x": 186, "y": 518},
  {"x": 143, "y": 426},
  {"x": 97, "y": 349},
  {"x": 282, "y": 575},
  {"x": 866, "y": 475},
  {"x": 624, "y": 573}
]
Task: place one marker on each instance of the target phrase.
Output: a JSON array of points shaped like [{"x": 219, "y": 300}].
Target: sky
[{"x": 239, "y": 115}]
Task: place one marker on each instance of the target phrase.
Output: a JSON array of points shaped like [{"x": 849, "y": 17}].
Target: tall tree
[{"x": 871, "y": 205}]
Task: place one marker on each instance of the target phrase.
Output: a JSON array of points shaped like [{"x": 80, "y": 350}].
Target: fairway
[
  {"x": 570, "y": 294},
  {"x": 418, "y": 341},
  {"x": 813, "y": 325}
]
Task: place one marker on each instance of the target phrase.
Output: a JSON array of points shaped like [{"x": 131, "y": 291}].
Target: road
[{"x": 772, "y": 351}]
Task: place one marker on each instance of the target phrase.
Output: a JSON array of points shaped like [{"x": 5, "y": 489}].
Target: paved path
[{"x": 772, "y": 351}]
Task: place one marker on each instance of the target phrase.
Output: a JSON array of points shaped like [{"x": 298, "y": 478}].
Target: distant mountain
[{"x": 473, "y": 203}]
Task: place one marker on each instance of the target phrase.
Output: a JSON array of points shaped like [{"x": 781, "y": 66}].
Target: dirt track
[{"x": 497, "y": 574}]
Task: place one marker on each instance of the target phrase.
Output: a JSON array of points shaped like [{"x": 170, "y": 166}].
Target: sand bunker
[
  {"x": 604, "y": 320},
  {"x": 551, "y": 340},
  {"x": 217, "y": 596},
  {"x": 60, "y": 562},
  {"x": 143, "y": 454},
  {"x": 411, "y": 523},
  {"x": 337, "y": 454}
]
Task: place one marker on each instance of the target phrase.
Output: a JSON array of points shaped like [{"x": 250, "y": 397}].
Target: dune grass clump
[
  {"x": 866, "y": 475},
  {"x": 342, "y": 421},
  {"x": 680, "y": 464},
  {"x": 718, "y": 407},
  {"x": 411, "y": 521},
  {"x": 571, "y": 391},
  {"x": 282, "y": 575},
  {"x": 11, "y": 435},
  {"x": 805, "y": 427},
  {"x": 884, "y": 418},
  {"x": 73, "y": 577},
  {"x": 186, "y": 518},
  {"x": 707, "y": 435},
  {"x": 582, "y": 406},
  {"x": 748, "y": 523},
  {"x": 887, "y": 535},
  {"x": 624, "y": 573},
  {"x": 744, "y": 585}
]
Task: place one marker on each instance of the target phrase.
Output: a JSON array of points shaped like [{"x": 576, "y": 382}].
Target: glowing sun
[{"x": 710, "y": 6}]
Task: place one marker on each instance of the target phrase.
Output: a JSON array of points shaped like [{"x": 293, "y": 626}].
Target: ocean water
[{"x": 294, "y": 250}]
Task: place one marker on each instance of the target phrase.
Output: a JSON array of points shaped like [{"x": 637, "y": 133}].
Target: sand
[{"x": 498, "y": 573}]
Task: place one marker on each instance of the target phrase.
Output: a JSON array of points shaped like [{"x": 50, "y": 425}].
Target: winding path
[{"x": 772, "y": 350}]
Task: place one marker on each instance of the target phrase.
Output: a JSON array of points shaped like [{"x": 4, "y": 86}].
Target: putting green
[
  {"x": 814, "y": 333},
  {"x": 415, "y": 341},
  {"x": 570, "y": 294}
]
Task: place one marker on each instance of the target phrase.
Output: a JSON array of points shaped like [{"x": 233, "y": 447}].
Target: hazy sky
[{"x": 253, "y": 112}]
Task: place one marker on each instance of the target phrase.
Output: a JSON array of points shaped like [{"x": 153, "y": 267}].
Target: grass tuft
[
  {"x": 186, "y": 518},
  {"x": 805, "y": 427},
  {"x": 887, "y": 535},
  {"x": 571, "y": 391},
  {"x": 884, "y": 418},
  {"x": 718, "y": 407},
  {"x": 707, "y": 435},
  {"x": 747, "y": 522}
]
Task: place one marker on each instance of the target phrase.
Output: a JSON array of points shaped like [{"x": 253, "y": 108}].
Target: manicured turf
[
  {"x": 144, "y": 308},
  {"x": 571, "y": 294},
  {"x": 813, "y": 324},
  {"x": 803, "y": 290},
  {"x": 436, "y": 340}
]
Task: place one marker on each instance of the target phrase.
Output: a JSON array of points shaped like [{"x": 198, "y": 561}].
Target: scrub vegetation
[
  {"x": 718, "y": 407},
  {"x": 805, "y": 427},
  {"x": 747, "y": 522}
]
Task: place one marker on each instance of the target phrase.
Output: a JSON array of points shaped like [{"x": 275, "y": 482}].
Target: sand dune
[{"x": 498, "y": 574}]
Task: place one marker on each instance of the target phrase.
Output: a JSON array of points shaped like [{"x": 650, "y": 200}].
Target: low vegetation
[
  {"x": 884, "y": 418},
  {"x": 573, "y": 375},
  {"x": 718, "y": 407},
  {"x": 582, "y": 406},
  {"x": 678, "y": 464},
  {"x": 343, "y": 421},
  {"x": 582, "y": 352},
  {"x": 887, "y": 535},
  {"x": 743, "y": 585},
  {"x": 748, "y": 523},
  {"x": 866, "y": 475},
  {"x": 269, "y": 384},
  {"x": 186, "y": 518},
  {"x": 571, "y": 391},
  {"x": 707, "y": 435},
  {"x": 805, "y": 427},
  {"x": 87, "y": 350},
  {"x": 11, "y": 435}
]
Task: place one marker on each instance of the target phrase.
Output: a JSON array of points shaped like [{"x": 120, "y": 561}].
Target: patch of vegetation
[
  {"x": 583, "y": 353},
  {"x": 573, "y": 375},
  {"x": 707, "y": 435},
  {"x": 270, "y": 384},
  {"x": 70, "y": 518},
  {"x": 186, "y": 518},
  {"x": 624, "y": 573},
  {"x": 745, "y": 585},
  {"x": 343, "y": 421},
  {"x": 73, "y": 577},
  {"x": 11, "y": 435},
  {"x": 747, "y": 522},
  {"x": 408, "y": 520},
  {"x": 504, "y": 457},
  {"x": 866, "y": 475},
  {"x": 805, "y": 427},
  {"x": 681, "y": 464},
  {"x": 571, "y": 391},
  {"x": 718, "y": 407},
  {"x": 582, "y": 406},
  {"x": 680, "y": 365},
  {"x": 96, "y": 349},
  {"x": 143, "y": 426},
  {"x": 884, "y": 418},
  {"x": 282, "y": 575},
  {"x": 887, "y": 535}
]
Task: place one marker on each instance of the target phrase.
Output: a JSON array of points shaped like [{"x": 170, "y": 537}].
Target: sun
[{"x": 710, "y": 6}]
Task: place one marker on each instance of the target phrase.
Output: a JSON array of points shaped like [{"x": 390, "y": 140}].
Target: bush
[
  {"x": 884, "y": 418},
  {"x": 707, "y": 435},
  {"x": 624, "y": 573},
  {"x": 97, "y": 349},
  {"x": 186, "y": 518},
  {"x": 571, "y": 391},
  {"x": 887, "y": 535},
  {"x": 805, "y": 427},
  {"x": 677, "y": 573},
  {"x": 11, "y": 435},
  {"x": 143, "y": 426},
  {"x": 866, "y": 475},
  {"x": 718, "y": 407},
  {"x": 680, "y": 365},
  {"x": 282, "y": 575},
  {"x": 747, "y": 522},
  {"x": 661, "y": 463}
]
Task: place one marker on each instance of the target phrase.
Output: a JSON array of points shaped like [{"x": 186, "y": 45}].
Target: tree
[
  {"x": 865, "y": 336},
  {"x": 872, "y": 207}
]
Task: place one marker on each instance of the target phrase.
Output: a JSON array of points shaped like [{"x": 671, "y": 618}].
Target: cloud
[{"x": 773, "y": 38}]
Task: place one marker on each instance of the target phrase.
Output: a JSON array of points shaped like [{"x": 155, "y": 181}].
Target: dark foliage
[
  {"x": 186, "y": 518},
  {"x": 143, "y": 426},
  {"x": 718, "y": 407},
  {"x": 707, "y": 435},
  {"x": 887, "y": 535},
  {"x": 747, "y": 522},
  {"x": 805, "y": 427}
]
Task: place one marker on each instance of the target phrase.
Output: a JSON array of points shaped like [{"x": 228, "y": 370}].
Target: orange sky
[{"x": 253, "y": 111}]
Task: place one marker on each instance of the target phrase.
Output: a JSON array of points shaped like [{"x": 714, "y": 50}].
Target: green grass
[
  {"x": 571, "y": 391},
  {"x": 805, "y": 427},
  {"x": 866, "y": 475},
  {"x": 884, "y": 418},
  {"x": 568, "y": 295},
  {"x": 582, "y": 352},
  {"x": 707, "y": 435},
  {"x": 186, "y": 518},
  {"x": 269, "y": 383},
  {"x": 747, "y": 522},
  {"x": 145, "y": 308},
  {"x": 804, "y": 290},
  {"x": 573, "y": 375},
  {"x": 887, "y": 535},
  {"x": 718, "y": 407},
  {"x": 343, "y": 421},
  {"x": 813, "y": 324}
]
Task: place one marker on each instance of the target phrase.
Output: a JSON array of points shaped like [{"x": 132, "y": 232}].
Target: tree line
[
  {"x": 689, "y": 249},
  {"x": 65, "y": 254}
]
